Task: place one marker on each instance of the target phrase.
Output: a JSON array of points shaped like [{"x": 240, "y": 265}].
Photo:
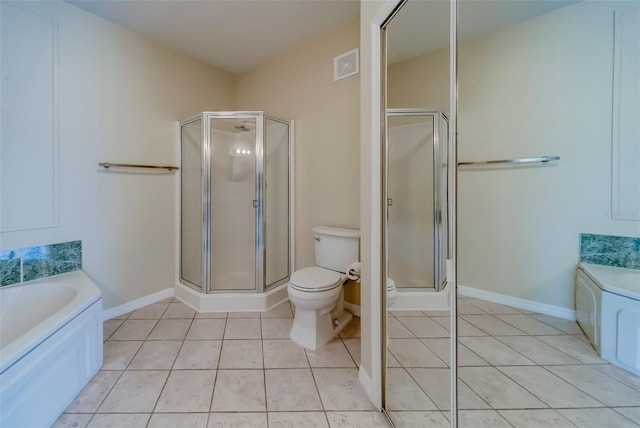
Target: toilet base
[{"x": 312, "y": 329}]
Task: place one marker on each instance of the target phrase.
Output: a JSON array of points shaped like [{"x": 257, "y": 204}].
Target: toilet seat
[{"x": 314, "y": 280}]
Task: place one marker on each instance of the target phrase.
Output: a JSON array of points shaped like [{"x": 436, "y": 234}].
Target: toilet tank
[{"x": 336, "y": 247}]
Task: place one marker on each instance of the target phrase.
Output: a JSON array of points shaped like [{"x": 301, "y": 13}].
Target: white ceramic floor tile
[
  {"x": 239, "y": 391},
  {"x": 493, "y": 308},
  {"x": 109, "y": 326},
  {"x": 442, "y": 348},
  {"x": 332, "y": 354},
  {"x": 179, "y": 310},
  {"x": 206, "y": 329},
  {"x": 464, "y": 328},
  {"x": 156, "y": 355},
  {"x": 497, "y": 389},
  {"x": 543, "y": 418},
  {"x": 116, "y": 420},
  {"x": 178, "y": 420},
  {"x": 243, "y": 329},
  {"x": 283, "y": 354},
  {"x": 419, "y": 419},
  {"x": 357, "y": 420},
  {"x": 276, "y": 328},
  {"x": 395, "y": 330},
  {"x": 413, "y": 353},
  {"x": 492, "y": 325},
  {"x": 536, "y": 350},
  {"x": 170, "y": 329},
  {"x": 352, "y": 329},
  {"x": 117, "y": 354},
  {"x": 241, "y": 354},
  {"x": 619, "y": 374},
  {"x": 237, "y": 420},
  {"x": 574, "y": 347},
  {"x": 423, "y": 327},
  {"x": 631, "y": 413},
  {"x": 187, "y": 391},
  {"x": 465, "y": 308},
  {"x": 391, "y": 360},
  {"x": 404, "y": 393},
  {"x": 149, "y": 312},
  {"x": 94, "y": 393},
  {"x": 529, "y": 325},
  {"x": 549, "y": 388},
  {"x": 597, "y": 418},
  {"x": 603, "y": 388},
  {"x": 297, "y": 420},
  {"x": 349, "y": 395},
  {"x": 72, "y": 420},
  {"x": 283, "y": 310},
  {"x": 198, "y": 354},
  {"x": 569, "y": 327},
  {"x": 135, "y": 391},
  {"x": 354, "y": 347},
  {"x": 436, "y": 384},
  {"x": 243, "y": 315},
  {"x": 211, "y": 314},
  {"x": 281, "y": 396},
  {"x": 495, "y": 352},
  {"x": 406, "y": 313},
  {"x": 481, "y": 419},
  {"x": 133, "y": 330},
  {"x": 438, "y": 313}
]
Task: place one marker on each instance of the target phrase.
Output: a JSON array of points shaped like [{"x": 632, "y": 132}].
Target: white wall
[
  {"x": 540, "y": 88},
  {"x": 119, "y": 99}
]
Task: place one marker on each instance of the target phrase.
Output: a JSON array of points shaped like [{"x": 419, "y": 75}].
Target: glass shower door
[
  {"x": 276, "y": 202},
  {"x": 410, "y": 183},
  {"x": 233, "y": 210},
  {"x": 191, "y": 224}
]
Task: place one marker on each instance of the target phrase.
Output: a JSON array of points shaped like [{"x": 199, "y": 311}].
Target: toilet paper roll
[{"x": 353, "y": 271}]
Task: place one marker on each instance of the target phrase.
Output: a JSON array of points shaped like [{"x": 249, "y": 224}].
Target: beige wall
[
  {"x": 542, "y": 87},
  {"x": 299, "y": 85},
  {"x": 119, "y": 99}
]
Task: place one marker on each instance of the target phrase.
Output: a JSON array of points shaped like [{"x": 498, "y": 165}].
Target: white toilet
[{"x": 317, "y": 292}]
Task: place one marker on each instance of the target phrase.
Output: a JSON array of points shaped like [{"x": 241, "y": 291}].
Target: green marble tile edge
[
  {"x": 617, "y": 251},
  {"x": 48, "y": 260},
  {"x": 9, "y": 267}
]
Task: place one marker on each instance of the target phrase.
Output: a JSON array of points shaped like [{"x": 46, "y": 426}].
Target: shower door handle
[{"x": 255, "y": 203}]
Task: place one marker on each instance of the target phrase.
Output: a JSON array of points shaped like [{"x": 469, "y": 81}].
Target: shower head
[{"x": 243, "y": 126}]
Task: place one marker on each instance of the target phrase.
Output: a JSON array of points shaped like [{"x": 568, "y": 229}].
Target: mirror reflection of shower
[
  {"x": 416, "y": 198},
  {"x": 234, "y": 228}
]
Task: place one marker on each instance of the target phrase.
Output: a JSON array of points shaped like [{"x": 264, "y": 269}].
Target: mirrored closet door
[{"x": 415, "y": 147}]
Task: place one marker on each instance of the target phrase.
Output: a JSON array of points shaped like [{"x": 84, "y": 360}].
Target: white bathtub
[
  {"x": 608, "y": 310},
  {"x": 50, "y": 346}
]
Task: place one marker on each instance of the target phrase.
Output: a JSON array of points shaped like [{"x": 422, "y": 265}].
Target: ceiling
[
  {"x": 423, "y": 26},
  {"x": 235, "y": 35},
  {"x": 238, "y": 35}
]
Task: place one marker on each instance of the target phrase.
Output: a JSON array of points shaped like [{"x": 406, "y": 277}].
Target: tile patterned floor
[
  {"x": 516, "y": 369},
  {"x": 166, "y": 366}
]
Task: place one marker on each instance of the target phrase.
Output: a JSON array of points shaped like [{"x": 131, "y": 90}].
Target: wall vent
[{"x": 346, "y": 65}]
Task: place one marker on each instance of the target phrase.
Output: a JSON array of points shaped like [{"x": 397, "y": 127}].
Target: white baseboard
[
  {"x": 516, "y": 302},
  {"x": 367, "y": 384},
  {"x": 231, "y": 302},
  {"x": 353, "y": 308},
  {"x": 137, "y": 304}
]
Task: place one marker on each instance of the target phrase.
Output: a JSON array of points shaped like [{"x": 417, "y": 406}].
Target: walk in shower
[
  {"x": 417, "y": 238},
  {"x": 235, "y": 188}
]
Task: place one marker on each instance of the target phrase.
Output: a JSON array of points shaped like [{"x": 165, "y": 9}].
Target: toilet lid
[{"x": 315, "y": 279}]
